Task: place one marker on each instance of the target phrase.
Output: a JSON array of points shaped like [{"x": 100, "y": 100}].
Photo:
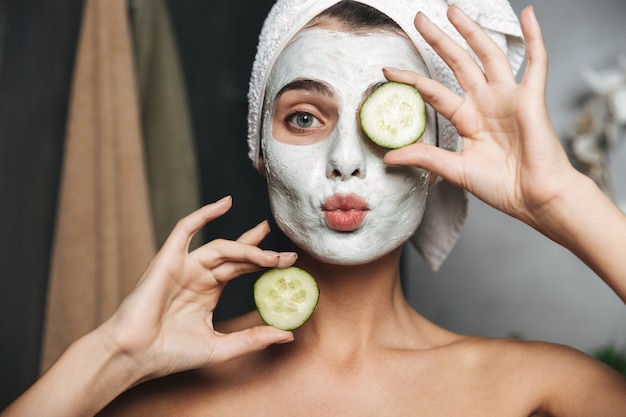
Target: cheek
[
  {"x": 396, "y": 183},
  {"x": 402, "y": 195},
  {"x": 293, "y": 168}
]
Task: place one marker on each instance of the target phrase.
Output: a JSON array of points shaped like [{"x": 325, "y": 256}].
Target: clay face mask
[{"x": 329, "y": 190}]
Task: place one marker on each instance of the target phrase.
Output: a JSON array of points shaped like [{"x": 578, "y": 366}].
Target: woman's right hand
[{"x": 166, "y": 324}]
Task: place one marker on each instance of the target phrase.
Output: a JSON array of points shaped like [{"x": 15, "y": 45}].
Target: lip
[{"x": 345, "y": 212}]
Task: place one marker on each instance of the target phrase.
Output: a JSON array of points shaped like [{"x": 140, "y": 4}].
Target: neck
[{"x": 361, "y": 305}]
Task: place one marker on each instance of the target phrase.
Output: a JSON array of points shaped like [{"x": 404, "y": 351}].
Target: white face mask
[{"x": 329, "y": 189}]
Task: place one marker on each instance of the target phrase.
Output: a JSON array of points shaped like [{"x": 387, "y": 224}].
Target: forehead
[{"x": 342, "y": 59}]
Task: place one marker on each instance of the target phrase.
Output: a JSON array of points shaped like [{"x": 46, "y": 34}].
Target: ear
[{"x": 261, "y": 166}]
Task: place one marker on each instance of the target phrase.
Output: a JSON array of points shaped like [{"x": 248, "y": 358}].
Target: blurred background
[{"x": 502, "y": 279}]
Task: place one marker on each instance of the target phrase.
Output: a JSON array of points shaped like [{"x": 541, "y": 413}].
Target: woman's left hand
[{"x": 511, "y": 157}]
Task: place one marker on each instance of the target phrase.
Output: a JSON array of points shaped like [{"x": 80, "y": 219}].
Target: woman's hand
[
  {"x": 166, "y": 324},
  {"x": 511, "y": 157}
]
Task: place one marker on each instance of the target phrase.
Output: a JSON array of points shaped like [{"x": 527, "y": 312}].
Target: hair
[{"x": 356, "y": 16}]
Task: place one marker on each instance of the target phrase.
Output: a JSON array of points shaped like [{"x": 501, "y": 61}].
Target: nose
[{"x": 346, "y": 158}]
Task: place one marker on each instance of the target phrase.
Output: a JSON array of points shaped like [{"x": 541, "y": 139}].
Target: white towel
[{"x": 447, "y": 205}]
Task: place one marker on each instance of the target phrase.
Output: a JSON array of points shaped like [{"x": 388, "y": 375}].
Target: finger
[
  {"x": 464, "y": 67},
  {"x": 494, "y": 60},
  {"x": 230, "y": 270},
  {"x": 248, "y": 341},
  {"x": 441, "y": 98},
  {"x": 220, "y": 251},
  {"x": 446, "y": 164},
  {"x": 537, "y": 58},
  {"x": 188, "y": 226},
  {"x": 255, "y": 235}
]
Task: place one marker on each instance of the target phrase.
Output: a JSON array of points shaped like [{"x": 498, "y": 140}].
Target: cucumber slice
[
  {"x": 286, "y": 297},
  {"x": 394, "y": 115}
]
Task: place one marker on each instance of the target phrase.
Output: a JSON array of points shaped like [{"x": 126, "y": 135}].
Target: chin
[{"x": 348, "y": 249}]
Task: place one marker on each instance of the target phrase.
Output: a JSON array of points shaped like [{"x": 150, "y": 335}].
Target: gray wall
[{"x": 505, "y": 279}]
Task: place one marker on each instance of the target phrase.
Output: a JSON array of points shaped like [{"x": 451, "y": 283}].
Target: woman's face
[{"x": 329, "y": 190}]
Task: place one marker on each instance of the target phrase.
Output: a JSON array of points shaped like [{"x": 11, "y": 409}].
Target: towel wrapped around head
[{"x": 446, "y": 208}]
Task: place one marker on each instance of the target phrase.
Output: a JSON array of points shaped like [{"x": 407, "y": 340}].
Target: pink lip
[{"x": 345, "y": 212}]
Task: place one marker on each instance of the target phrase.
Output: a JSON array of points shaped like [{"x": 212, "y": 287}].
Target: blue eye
[{"x": 303, "y": 120}]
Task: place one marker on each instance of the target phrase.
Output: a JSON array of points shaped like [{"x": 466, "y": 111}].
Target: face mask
[{"x": 329, "y": 190}]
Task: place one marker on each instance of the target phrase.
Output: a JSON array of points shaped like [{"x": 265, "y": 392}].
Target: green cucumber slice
[
  {"x": 394, "y": 115},
  {"x": 286, "y": 297}
]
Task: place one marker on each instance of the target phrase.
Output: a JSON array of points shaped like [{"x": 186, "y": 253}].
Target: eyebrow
[{"x": 307, "y": 85}]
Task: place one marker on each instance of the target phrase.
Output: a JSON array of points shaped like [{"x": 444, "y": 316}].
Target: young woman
[{"x": 348, "y": 207}]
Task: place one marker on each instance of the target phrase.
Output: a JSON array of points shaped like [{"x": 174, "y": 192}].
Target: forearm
[
  {"x": 88, "y": 376},
  {"x": 585, "y": 221}
]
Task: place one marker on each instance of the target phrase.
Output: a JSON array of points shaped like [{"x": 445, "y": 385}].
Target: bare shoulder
[
  {"x": 561, "y": 380},
  {"x": 576, "y": 383},
  {"x": 503, "y": 377}
]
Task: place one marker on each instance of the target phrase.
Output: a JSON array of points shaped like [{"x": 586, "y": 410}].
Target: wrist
[
  {"x": 556, "y": 216},
  {"x": 119, "y": 352},
  {"x": 108, "y": 369},
  {"x": 115, "y": 354},
  {"x": 583, "y": 219}
]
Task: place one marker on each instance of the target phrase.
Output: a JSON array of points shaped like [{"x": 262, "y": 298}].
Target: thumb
[
  {"x": 248, "y": 341},
  {"x": 446, "y": 164}
]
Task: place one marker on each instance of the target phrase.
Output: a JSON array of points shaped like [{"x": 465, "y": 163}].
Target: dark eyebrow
[{"x": 307, "y": 85}]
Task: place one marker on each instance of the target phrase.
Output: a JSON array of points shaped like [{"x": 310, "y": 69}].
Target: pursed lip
[{"x": 345, "y": 212}]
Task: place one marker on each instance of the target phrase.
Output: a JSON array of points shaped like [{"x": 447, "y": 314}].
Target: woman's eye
[{"x": 303, "y": 120}]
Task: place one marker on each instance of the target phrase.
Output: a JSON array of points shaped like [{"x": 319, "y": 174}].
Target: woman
[{"x": 364, "y": 351}]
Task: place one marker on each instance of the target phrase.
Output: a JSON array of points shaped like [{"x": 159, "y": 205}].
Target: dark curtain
[
  {"x": 38, "y": 40},
  {"x": 217, "y": 41}
]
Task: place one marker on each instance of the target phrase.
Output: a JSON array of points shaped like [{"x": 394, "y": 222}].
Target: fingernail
[
  {"x": 422, "y": 15},
  {"x": 280, "y": 342},
  {"x": 532, "y": 13},
  {"x": 391, "y": 70},
  {"x": 265, "y": 224},
  {"x": 456, "y": 9},
  {"x": 224, "y": 199}
]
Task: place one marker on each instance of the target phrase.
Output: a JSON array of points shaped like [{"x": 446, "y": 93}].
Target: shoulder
[
  {"x": 531, "y": 359},
  {"x": 559, "y": 379},
  {"x": 574, "y": 383}
]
